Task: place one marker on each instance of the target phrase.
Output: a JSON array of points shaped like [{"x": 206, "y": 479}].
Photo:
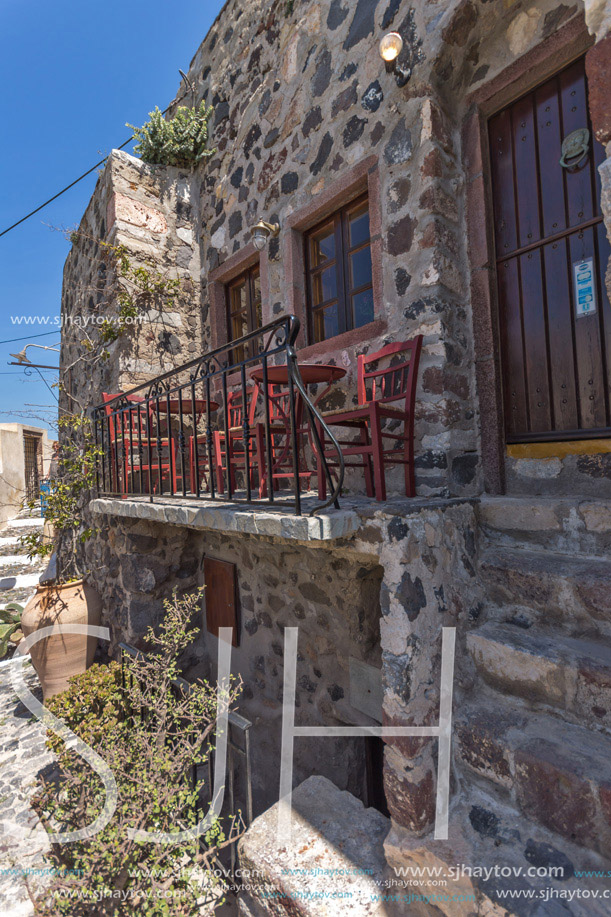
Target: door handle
[{"x": 575, "y": 148}]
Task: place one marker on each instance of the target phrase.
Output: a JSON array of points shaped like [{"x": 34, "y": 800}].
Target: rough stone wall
[
  {"x": 381, "y": 597},
  {"x": 587, "y": 471},
  {"x": 302, "y": 102},
  {"x": 333, "y": 599},
  {"x": 301, "y": 99},
  {"x": 151, "y": 212}
]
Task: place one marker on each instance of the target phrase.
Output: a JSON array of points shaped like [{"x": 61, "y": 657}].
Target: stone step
[
  {"x": 557, "y": 588},
  {"x": 25, "y": 522},
  {"x": 556, "y": 773},
  {"x": 17, "y": 560},
  {"x": 546, "y": 667},
  {"x": 511, "y": 853},
  {"x": 568, "y": 525}
]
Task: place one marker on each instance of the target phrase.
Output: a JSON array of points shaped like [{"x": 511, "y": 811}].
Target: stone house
[
  {"x": 475, "y": 235},
  {"x": 26, "y": 453}
]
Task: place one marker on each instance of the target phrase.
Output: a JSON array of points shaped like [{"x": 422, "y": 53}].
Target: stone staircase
[
  {"x": 18, "y": 574},
  {"x": 536, "y": 735}
]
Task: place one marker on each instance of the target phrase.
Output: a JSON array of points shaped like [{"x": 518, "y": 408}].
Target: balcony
[{"x": 234, "y": 430}]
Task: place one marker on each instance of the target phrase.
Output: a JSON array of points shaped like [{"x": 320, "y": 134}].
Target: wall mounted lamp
[
  {"x": 390, "y": 49},
  {"x": 262, "y": 232},
  {"x": 22, "y": 356}
]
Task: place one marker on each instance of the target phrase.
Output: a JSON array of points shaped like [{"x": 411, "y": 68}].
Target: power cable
[
  {"x": 29, "y": 337},
  {"x": 63, "y": 191},
  {"x": 190, "y": 91}
]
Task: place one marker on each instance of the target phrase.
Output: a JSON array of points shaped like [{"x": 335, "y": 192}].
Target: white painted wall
[{"x": 12, "y": 466}]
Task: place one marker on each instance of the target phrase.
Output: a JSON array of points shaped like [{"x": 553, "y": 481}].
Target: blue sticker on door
[{"x": 584, "y": 287}]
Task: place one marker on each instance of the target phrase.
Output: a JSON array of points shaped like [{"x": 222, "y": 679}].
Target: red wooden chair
[
  {"x": 280, "y": 436},
  {"x": 379, "y": 391},
  {"x": 129, "y": 435},
  {"x": 234, "y": 449},
  {"x": 202, "y": 465}
]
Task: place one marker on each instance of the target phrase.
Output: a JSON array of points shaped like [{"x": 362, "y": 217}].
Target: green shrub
[
  {"x": 10, "y": 627},
  {"x": 151, "y": 736},
  {"x": 179, "y": 141}
]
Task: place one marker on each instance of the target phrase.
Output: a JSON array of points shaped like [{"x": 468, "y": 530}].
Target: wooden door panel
[
  {"x": 578, "y": 183},
  {"x": 547, "y": 220},
  {"x": 501, "y": 157},
  {"x": 527, "y": 186},
  {"x": 560, "y": 326},
  {"x": 590, "y": 377},
  {"x": 549, "y": 135},
  {"x": 513, "y": 346},
  {"x": 221, "y": 597},
  {"x": 533, "y": 318}
]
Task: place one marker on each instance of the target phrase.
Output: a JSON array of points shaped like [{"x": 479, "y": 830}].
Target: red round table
[
  {"x": 311, "y": 374},
  {"x": 187, "y": 407}
]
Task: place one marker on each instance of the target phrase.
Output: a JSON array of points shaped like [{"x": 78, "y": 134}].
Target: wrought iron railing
[{"x": 219, "y": 428}]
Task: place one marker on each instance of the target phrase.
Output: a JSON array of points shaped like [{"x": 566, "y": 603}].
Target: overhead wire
[
  {"x": 28, "y": 337},
  {"x": 93, "y": 168}
]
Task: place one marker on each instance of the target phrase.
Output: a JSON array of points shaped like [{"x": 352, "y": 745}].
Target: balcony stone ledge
[{"x": 241, "y": 519}]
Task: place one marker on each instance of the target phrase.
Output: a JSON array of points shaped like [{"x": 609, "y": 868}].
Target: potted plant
[{"x": 65, "y": 596}]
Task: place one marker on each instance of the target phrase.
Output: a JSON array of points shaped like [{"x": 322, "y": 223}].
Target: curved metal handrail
[{"x": 315, "y": 415}]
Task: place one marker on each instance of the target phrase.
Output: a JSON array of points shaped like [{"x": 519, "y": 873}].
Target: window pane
[
  {"x": 359, "y": 226},
  {"x": 326, "y": 323},
  {"x": 360, "y": 268},
  {"x": 238, "y": 354},
  {"x": 256, "y": 286},
  {"x": 322, "y": 246},
  {"x": 258, "y": 314},
  {"x": 324, "y": 285},
  {"x": 362, "y": 305},
  {"x": 239, "y": 325},
  {"x": 237, "y": 295}
]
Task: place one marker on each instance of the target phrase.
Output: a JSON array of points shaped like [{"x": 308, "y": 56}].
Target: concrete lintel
[{"x": 230, "y": 518}]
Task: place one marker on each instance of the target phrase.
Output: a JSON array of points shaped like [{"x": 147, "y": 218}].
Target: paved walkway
[{"x": 23, "y": 840}]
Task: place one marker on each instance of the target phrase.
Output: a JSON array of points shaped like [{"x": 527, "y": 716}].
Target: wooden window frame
[
  {"x": 354, "y": 181},
  {"x": 340, "y": 220},
  {"x": 218, "y": 279},
  {"x": 249, "y": 275}
]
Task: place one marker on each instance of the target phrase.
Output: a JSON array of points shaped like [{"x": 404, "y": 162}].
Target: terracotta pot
[{"x": 58, "y": 658}]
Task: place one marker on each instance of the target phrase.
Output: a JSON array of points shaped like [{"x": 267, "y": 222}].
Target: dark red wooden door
[{"x": 555, "y": 323}]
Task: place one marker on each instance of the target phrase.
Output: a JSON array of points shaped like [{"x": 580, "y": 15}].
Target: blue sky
[{"x": 72, "y": 74}]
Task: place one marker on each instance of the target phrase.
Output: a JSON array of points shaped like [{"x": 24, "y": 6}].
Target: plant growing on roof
[{"x": 179, "y": 141}]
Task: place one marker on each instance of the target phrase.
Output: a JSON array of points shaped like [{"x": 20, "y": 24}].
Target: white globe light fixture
[
  {"x": 390, "y": 49},
  {"x": 262, "y": 232}
]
